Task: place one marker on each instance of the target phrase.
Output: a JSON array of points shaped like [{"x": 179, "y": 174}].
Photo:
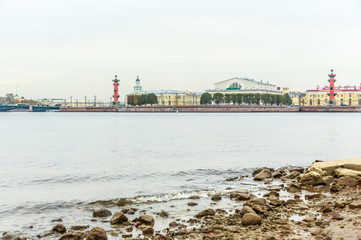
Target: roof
[
  {"x": 159, "y": 92},
  {"x": 339, "y": 88},
  {"x": 247, "y": 79}
]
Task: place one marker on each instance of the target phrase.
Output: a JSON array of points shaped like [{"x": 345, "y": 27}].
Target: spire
[{"x": 137, "y": 87}]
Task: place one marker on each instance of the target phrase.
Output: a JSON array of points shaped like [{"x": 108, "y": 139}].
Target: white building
[{"x": 244, "y": 85}]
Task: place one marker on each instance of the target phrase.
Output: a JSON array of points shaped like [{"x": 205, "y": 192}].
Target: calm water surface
[{"x": 50, "y": 160}]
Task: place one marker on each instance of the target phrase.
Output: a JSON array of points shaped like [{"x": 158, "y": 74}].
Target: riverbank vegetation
[
  {"x": 246, "y": 99},
  {"x": 142, "y": 99}
]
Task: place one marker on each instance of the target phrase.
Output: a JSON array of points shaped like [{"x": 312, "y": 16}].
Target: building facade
[
  {"x": 244, "y": 85},
  {"x": 346, "y": 95},
  {"x": 174, "y": 97}
]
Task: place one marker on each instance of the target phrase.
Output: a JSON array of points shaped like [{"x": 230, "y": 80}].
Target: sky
[{"x": 63, "y": 48}]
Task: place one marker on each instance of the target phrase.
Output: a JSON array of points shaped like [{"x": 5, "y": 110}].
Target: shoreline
[
  {"x": 215, "y": 109},
  {"x": 321, "y": 202}
]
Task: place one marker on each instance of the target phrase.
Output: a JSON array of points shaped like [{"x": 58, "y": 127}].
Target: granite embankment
[
  {"x": 321, "y": 202},
  {"x": 214, "y": 108}
]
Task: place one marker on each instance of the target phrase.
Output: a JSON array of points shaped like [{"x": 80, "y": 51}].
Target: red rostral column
[
  {"x": 116, "y": 91},
  {"x": 332, "y": 81}
]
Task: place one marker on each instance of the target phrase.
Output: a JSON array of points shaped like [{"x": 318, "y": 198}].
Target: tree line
[
  {"x": 142, "y": 99},
  {"x": 246, "y": 98}
]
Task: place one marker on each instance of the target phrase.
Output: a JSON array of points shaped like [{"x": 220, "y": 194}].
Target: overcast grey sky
[{"x": 62, "y": 48}]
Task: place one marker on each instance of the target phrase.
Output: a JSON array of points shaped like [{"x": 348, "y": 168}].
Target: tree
[
  {"x": 136, "y": 100},
  {"x": 287, "y": 99},
  {"x": 227, "y": 98},
  {"x": 234, "y": 99},
  {"x": 263, "y": 98},
  {"x": 279, "y": 99},
  {"x": 247, "y": 98},
  {"x": 206, "y": 98},
  {"x": 130, "y": 100},
  {"x": 143, "y": 99},
  {"x": 239, "y": 98},
  {"x": 218, "y": 98},
  {"x": 152, "y": 99},
  {"x": 257, "y": 98}
]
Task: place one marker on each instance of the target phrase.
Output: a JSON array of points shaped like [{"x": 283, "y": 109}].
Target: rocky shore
[{"x": 320, "y": 202}]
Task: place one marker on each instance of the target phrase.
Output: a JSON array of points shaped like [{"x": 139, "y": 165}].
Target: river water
[{"x": 54, "y": 164}]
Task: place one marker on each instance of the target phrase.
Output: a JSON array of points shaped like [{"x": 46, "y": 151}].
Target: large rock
[
  {"x": 97, "y": 233},
  {"x": 331, "y": 166},
  {"x": 7, "y": 236},
  {"x": 310, "y": 178},
  {"x": 292, "y": 175},
  {"x": 256, "y": 201},
  {"x": 207, "y": 212},
  {"x": 102, "y": 213},
  {"x": 245, "y": 210},
  {"x": 264, "y": 174},
  {"x": 148, "y": 231},
  {"x": 335, "y": 187},
  {"x": 146, "y": 219},
  {"x": 59, "y": 229},
  {"x": 243, "y": 196},
  {"x": 337, "y": 216},
  {"x": 71, "y": 236},
  {"x": 276, "y": 174},
  {"x": 251, "y": 219},
  {"x": 216, "y": 197},
  {"x": 118, "y": 218},
  {"x": 192, "y": 204},
  {"x": 328, "y": 179},
  {"x": 291, "y": 169},
  {"x": 255, "y": 172},
  {"x": 79, "y": 227},
  {"x": 354, "y": 205},
  {"x": 340, "y": 204},
  {"x": 293, "y": 188},
  {"x": 342, "y": 172},
  {"x": 347, "y": 181}
]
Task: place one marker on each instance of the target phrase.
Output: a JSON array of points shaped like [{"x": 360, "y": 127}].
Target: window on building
[
  {"x": 318, "y": 101},
  {"x": 349, "y": 102},
  {"x": 310, "y": 101},
  {"x": 170, "y": 103}
]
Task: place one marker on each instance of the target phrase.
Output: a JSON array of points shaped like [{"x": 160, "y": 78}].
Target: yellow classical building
[
  {"x": 174, "y": 97},
  {"x": 350, "y": 96},
  {"x": 168, "y": 97}
]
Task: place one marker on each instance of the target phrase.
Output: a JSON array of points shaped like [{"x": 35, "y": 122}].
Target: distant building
[
  {"x": 345, "y": 95},
  {"x": 298, "y": 98},
  {"x": 174, "y": 97},
  {"x": 244, "y": 85},
  {"x": 169, "y": 97},
  {"x": 137, "y": 87}
]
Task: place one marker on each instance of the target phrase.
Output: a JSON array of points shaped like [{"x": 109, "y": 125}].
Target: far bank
[{"x": 215, "y": 108}]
